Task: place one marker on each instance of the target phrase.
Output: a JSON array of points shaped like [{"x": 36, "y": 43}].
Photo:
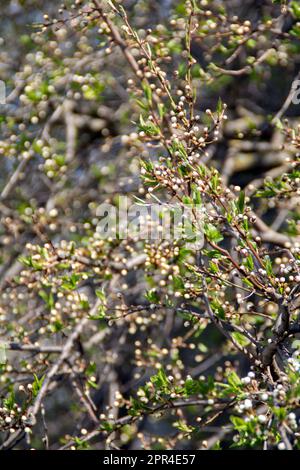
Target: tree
[{"x": 138, "y": 337}]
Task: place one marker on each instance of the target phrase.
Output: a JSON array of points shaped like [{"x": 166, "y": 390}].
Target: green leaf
[
  {"x": 9, "y": 402},
  {"x": 219, "y": 106},
  {"x": 152, "y": 296},
  {"x": 37, "y": 384},
  {"x": 268, "y": 266},
  {"x": 178, "y": 283},
  {"x": 240, "y": 339},
  {"x": 28, "y": 261},
  {"x": 234, "y": 380},
  {"x": 160, "y": 380},
  {"x": 241, "y": 202},
  {"x": 218, "y": 309},
  {"x": 148, "y": 127},
  {"x": 249, "y": 263},
  {"x": 161, "y": 110},
  {"x": 196, "y": 195},
  {"x": 142, "y": 105},
  {"x": 191, "y": 387},
  {"x": 212, "y": 233},
  {"x": 101, "y": 313},
  {"x": 48, "y": 298},
  {"x": 148, "y": 92},
  {"x": 295, "y": 8},
  {"x": 237, "y": 422},
  {"x": 183, "y": 427},
  {"x": 71, "y": 282},
  {"x": 101, "y": 294},
  {"x": 213, "y": 267}
]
